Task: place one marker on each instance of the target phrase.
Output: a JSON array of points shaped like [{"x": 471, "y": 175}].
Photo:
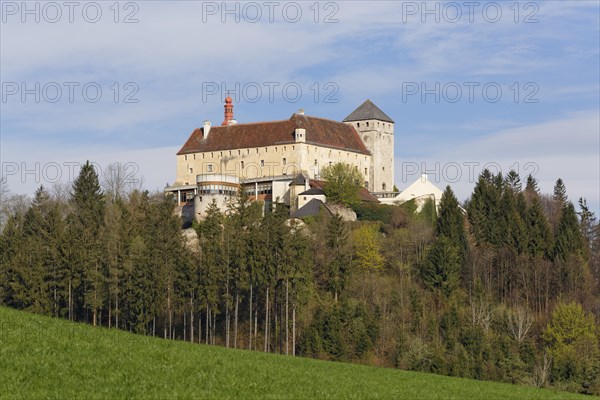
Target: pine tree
[
  {"x": 539, "y": 237},
  {"x": 569, "y": 239},
  {"x": 513, "y": 181},
  {"x": 441, "y": 270},
  {"x": 337, "y": 260},
  {"x": 532, "y": 185},
  {"x": 560, "y": 192},
  {"x": 210, "y": 234},
  {"x": 88, "y": 215},
  {"x": 450, "y": 223}
]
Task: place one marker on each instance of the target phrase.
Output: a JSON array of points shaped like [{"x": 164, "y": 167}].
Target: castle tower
[{"x": 376, "y": 130}]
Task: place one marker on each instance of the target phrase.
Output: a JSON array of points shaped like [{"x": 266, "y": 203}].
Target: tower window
[
  {"x": 262, "y": 163},
  {"x": 383, "y": 186},
  {"x": 365, "y": 171},
  {"x": 185, "y": 157},
  {"x": 209, "y": 167},
  {"x": 242, "y": 164},
  {"x": 315, "y": 162},
  {"x": 191, "y": 170},
  {"x": 284, "y": 161},
  {"x": 358, "y": 124},
  {"x": 383, "y": 168},
  {"x": 367, "y": 123}
]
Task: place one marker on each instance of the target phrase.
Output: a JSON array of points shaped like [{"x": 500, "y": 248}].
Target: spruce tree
[
  {"x": 337, "y": 254},
  {"x": 532, "y": 185},
  {"x": 513, "y": 181},
  {"x": 569, "y": 239},
  {"x": 450, "y": 223},
  {"x": 560, "y": 192},
  {"x": 539, "y": 236}
]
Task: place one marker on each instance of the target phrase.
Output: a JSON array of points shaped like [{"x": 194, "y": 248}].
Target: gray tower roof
[{"x": 368, "y": 110}]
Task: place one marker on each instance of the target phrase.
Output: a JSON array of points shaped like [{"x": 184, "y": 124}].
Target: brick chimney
[{"x": 228, "y": 111}]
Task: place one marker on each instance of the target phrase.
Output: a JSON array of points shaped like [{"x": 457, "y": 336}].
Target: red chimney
[{"x": 228, "y": 111}]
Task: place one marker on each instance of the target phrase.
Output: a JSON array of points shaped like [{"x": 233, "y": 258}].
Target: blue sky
[{"x": 545, "y": 60}]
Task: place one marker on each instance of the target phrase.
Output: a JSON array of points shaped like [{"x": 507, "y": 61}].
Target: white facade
[{"x": 420, "y": 190}]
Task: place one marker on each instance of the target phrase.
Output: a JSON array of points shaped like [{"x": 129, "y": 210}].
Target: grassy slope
[{"x": 50, "y": 358}]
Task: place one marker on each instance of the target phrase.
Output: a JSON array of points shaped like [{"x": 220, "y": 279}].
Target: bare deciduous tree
[
  {"x": 119, "y": 180},
  {"x": 519, "y": 323}
]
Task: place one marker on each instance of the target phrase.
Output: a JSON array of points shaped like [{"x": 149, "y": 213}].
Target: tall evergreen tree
[
  {"x": 539, "y": 236},
  {"x": 450, "y": 223},
  {"x": 560, "y": 192},
  {"x": 88, "y": 215},
  {"x": 337, "y": 254}
]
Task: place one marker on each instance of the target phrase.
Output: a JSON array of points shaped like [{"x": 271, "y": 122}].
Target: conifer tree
[
  {"x": 450, "y": 223},
  {"x": 88, "y": 214},
  {"x": 441, "y": 270},
  {"x": 539, "y": 236},
  {"x": 532, "y": 185},
  {"x": 210, "y": 234},
  {"x": 560, "y": 192},
  {"x": 513, "y": 181},
  {"x": 568, "y": 238},
  {"x": 337, "y": 257}
]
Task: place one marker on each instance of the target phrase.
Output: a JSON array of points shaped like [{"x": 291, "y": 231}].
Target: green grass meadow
[{"x": 42, "y": 357}]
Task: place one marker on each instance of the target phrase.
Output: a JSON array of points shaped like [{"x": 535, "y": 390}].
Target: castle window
[
  {"x": 185, "y": 157},
  {"x": 242, "y": 164},
  {"x": 315, "y": 162},
  {"x": 248, "y": 151},
  {"x": 209, "y": 168},
  {"x": 191, "y": 170},
  {"x": 383, "y": 186},
  {"x": 284, "y": 161},
  {"x": 229, "y": 153},
  {"x": 293, "y": 147},
  {"x": 275, "y": 148},
  {"x": 212, "y": 155},
  {"x": 239, "y": 152},
  {"x": 194, "y": 156},
  {"x": 383, "y": 168},
  {"x": 358, "y": 124},
  {"x": 266, "y": 149},
  {"x": 367, "y": 184},
  {"x": 284, "y": 148},
  {"x": 221, "y": 154},
  {"x": 262, "y": 163},
  {"x": 367, "y": 123},
  {"x": 365, "y": 171},
  {"x": 329, "y": 162}
]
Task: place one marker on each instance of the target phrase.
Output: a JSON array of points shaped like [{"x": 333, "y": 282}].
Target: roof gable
[{"x": 368, "y": 110}]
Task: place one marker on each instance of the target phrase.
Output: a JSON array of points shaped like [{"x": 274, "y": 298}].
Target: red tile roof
[
  {"x": 319, "y": 131},
  {"x": 363, "y": 193}
]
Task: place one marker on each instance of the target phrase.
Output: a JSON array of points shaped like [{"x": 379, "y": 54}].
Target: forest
[{"x": 505, "y": 287}]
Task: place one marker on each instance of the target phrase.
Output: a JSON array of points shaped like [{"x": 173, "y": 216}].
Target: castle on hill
[{"x": 280, "y": 161}]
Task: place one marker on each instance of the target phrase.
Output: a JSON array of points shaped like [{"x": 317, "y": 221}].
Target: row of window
[
  {"x": 367, "y": 124},
  {"x": 239, "y": 152}
]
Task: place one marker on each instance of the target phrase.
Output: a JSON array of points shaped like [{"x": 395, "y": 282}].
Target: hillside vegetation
[
  {"x": 503, "y": 287},
  {"x": 42, "y": 357}
]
